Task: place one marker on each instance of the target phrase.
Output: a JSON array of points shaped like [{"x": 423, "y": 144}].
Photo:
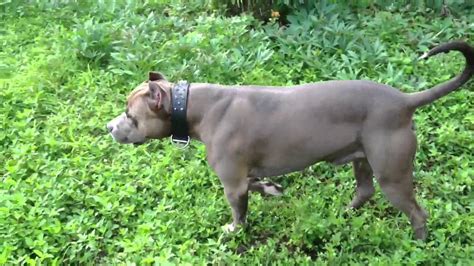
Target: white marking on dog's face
[
  {"x": 142, "y": 120},
  {"x": 124, "y": 129}
]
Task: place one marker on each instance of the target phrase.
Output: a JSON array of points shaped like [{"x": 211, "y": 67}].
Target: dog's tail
[{"x": 418, "y": 99}]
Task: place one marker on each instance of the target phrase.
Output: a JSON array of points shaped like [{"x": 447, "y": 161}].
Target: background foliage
[
  {"x": 69, "y": 194},
  {"x": 262, "y": 8}
]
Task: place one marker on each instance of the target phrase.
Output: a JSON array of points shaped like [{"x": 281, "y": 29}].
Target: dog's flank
[{"x": 260, "y": 131}]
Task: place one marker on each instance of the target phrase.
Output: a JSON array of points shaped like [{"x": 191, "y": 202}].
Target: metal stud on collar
[{"x": 179, "y": 143}]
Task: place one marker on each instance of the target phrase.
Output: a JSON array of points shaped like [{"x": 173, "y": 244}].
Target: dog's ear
[
  {"x": 154, "y": 76},
  {"x": 157, "y": 97}
]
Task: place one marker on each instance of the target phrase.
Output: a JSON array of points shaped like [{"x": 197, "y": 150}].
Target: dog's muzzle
[{"x": 124, "y": 131}]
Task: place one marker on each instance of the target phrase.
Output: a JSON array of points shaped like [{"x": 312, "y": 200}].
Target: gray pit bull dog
[{"x": 258, "y": 131}]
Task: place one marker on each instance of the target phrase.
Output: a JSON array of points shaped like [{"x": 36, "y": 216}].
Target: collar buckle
[{"x": 180, "y": 143}]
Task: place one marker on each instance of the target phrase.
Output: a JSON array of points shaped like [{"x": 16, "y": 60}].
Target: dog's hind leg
[
  {"x": 391, "y": 157},
  {"x": 365, "y": 185},
  {"x": 401, "y": 195},
  {"x": 264, "y": 187}
]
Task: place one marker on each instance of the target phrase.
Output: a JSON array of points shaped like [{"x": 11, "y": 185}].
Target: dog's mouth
[
  {"x": 125, "y": 140},
  {"x": 138, "y": 143}
]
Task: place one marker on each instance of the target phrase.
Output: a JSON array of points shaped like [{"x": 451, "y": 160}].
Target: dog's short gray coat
[{"x": 257, "y": 131}]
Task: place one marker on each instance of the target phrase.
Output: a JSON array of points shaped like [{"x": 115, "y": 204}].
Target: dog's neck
[{"x": 200, "y": 108}]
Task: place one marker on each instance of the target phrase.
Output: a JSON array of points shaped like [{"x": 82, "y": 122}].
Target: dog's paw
[
  {"x": 265, "y": 187},
  {"x": 272, "y": 189},
  {"x": 229, "y": 228}
]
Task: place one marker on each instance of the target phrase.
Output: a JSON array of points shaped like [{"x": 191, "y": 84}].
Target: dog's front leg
[{"x": 234, "y": 179}]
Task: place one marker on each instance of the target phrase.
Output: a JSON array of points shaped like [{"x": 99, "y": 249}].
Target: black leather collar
[{"x": 179, "y": 105}]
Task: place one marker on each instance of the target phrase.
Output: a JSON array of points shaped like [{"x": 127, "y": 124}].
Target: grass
[{"x": 71, "y": 195}]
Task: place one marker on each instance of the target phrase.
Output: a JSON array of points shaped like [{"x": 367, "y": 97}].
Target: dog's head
[{"x": 147, "y": 115}]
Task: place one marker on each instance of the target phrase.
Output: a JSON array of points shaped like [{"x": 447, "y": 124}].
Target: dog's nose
[{"x": 109, "y": 128}]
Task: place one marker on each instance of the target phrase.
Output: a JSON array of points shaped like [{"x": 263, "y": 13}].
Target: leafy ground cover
[{"x": 69, "y": 194}]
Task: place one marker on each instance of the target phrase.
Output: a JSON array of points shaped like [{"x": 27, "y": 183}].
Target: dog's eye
[{"x": 134, "y": 121}]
